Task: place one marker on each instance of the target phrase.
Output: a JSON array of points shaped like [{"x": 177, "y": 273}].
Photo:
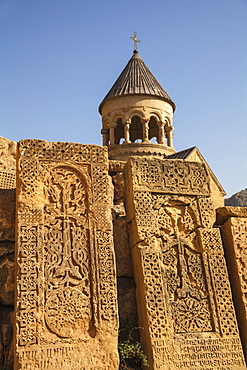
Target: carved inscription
[
  {"x": 69, "y": 357},
  {"x": 181, "y": 273},
  {"x": 66, "y": 301},
  {"x": 209, "y": 354}
]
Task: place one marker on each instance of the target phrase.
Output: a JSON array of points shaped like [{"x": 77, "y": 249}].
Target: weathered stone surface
[
  {"x": 118, "y": 182},
  {"x": 170, "y": 176},
  {"x": 7, "y": 163},
  {"x": 118, "y": 208},
  {"x": 6, "y": 248},
  {"x": 7, "y": 214},
  {"x": 122, "y": 248},
  {"x": 7, "y": 280},
  {"x": 224, "y": 213},
  {"x": 183, "y": 291},
  {"x": 66, "y": 278},
  {"x": 234, "y": 233},
  {"x": 116, "y": 166},
  {"x": 127, "y": 301},
  {"x": 6, "y": 337}
]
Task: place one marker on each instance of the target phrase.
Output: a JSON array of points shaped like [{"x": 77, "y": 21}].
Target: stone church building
[{"x": 130, "y": 235}]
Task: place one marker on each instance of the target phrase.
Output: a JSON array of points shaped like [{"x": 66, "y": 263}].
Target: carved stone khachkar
[
  {"x": 233, "y": 222},
  {"x": 66, "y": 307},
  {"x": 183, "y": 293}
]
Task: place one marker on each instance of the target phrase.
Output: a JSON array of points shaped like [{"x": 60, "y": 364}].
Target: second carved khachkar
[
  {"x": 183, "y": 292},
  {"x": 66, "y": 305}
]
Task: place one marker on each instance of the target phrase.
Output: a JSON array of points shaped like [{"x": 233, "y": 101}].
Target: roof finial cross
[{"x": 135, "y": 39}]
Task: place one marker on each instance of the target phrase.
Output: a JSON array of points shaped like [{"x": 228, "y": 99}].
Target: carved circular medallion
[{"x": 67, "y": 312}]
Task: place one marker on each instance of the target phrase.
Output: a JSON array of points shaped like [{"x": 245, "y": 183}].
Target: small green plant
[{"x": 131, "y": 353}]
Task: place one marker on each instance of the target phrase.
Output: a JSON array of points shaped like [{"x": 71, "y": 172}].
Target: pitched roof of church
[
  {"x": 137, "y": 79},
  {"x": 183, "y": 154}
]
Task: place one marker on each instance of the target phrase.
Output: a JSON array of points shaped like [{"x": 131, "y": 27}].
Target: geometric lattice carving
[
  {"x": 7, "y": 163},
  {"x": 234, "y": 232},
  {"x": 180, "y": 268},
  {"x": 207, "y": 212},
  {"x": 66, "y": 300},
  {"x": 211, "y": 241},
  {"x": 239, "y": 232},
  {"x": 7, "y": 180},
  {"x": 169, "y": 176}
]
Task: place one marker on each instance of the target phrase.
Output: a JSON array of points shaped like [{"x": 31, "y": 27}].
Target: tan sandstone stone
[
  {"x": 183, "y": 292},
  {"x": 66, "y": 306},
  {"x": 7, "y": 214},
  {"x": 234, "y": 234},
  {"x": 122, "y": 248},
  {"x": 7, "y": 280},
  {"x": 7, "y": 163}
]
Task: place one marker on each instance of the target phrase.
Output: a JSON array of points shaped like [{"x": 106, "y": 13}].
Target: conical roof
[{"x": 137, "y": 79}]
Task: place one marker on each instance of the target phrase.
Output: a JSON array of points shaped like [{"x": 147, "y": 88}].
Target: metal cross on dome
[{"x": 135, "y": 39}]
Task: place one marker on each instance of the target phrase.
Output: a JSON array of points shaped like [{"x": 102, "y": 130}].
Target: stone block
[
  {"x": 7, "y": 214},
  {"x": 234, "y": 233},
  {"x": 7, "y": 280},
  {"x": 122, "y": 248},
  {"x": 66, "y": 309},
  {"x": 127, "y": 302},
  {"x": 224, "y": 213},
  {"x": 183, "y": 292}
]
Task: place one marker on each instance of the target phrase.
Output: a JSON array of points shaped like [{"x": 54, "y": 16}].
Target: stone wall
[{"x": 169, "y": 261}]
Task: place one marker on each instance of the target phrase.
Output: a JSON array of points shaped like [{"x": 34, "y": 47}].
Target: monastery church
[{"x": 126, "y": 245}]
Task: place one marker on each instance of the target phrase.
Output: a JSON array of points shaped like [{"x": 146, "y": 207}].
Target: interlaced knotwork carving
[
  {"x": 66, "y": 252},
  {"x": 66, "y": 297},
  {"x": 102, "y": 196},
  {"x": 106, "y": 263},
  {"x": 195, "y": 264},
  {"x": 211, "y": 242},
  {"x": 185, "y": 279},
  {"x": 28, "y": 259},
  {"x": 144, "y": 215},
  {"x": 191, "y": 315},
  {"x": 156, "y": 301},
  {"x": 182, "y": 276},
  {"x": 239, "y": 232},
  {"x": 168, "y": 176}
]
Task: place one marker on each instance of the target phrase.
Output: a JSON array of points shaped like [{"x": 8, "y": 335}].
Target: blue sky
[{"x": 59, "y": 58}]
